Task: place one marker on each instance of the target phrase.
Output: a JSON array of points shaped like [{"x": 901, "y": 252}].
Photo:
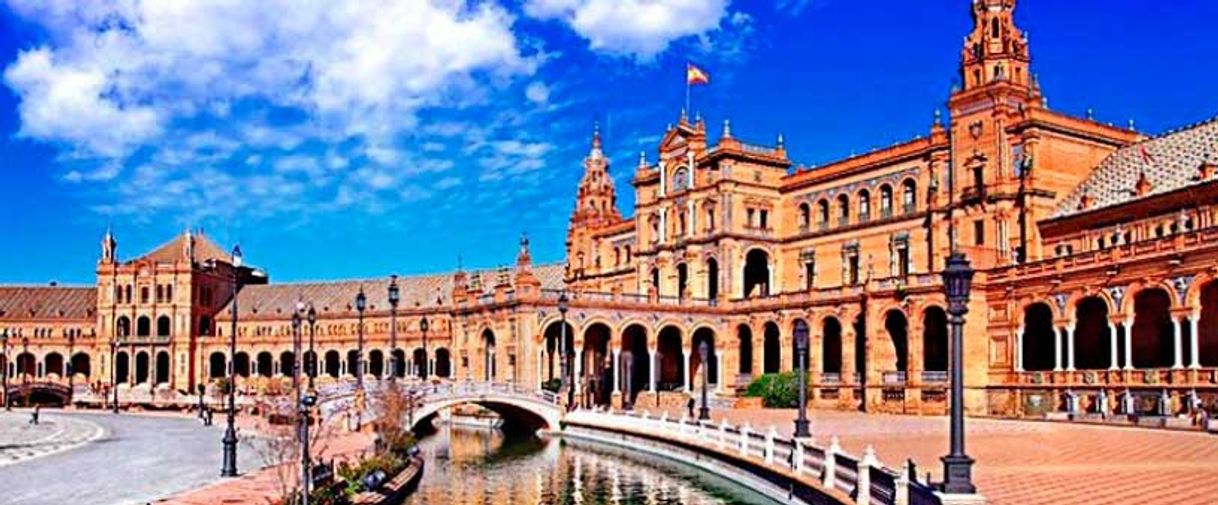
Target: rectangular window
[
  {"x": 979, "y": 232},
  {"x": 764, "y": 217},
  {"x": 903, "y": 261},
  {"x": 749, "y": 220},
  {"x": 853, "y": 268}
]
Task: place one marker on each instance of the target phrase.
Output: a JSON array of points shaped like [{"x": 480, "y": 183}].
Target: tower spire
[{"x": 996, "y": 50}]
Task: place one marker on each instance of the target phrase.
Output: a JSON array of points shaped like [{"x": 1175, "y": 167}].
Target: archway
[
  {"x": 712, "y": 279},
  {"x": 141, "y": 367},
  {"x": 418, "y": 362},
  {"x": 756, "y": 274},
  {"x": 162, "y": 368},
  {"x": 333, "y": 363},
  {"x": 671, "y": 372},
  {"x": 376, "y": 363},
  {"x": 596, "y": 365},
  {"x": 744, "y": 340},
  {"x": 636, "y": 364},
  {"x": 81, "y": 364},
  {"x": 1207, "y": 326},
  {"x": 353, "y": 363},
  {"x": 53, "y": 364},
  {"x": 682, "y": 281},
  {"x": 444, "y": 366},
  {"x": 287, "y": 364},
  {"x": 397, "y": 363},
  {"x": 1092, "y": 341},
  {"x": 143, "y": 327},
  {"x": 216, "y": 365},
  {"x": 553, "y": 335},
  {"x": 162, "y": 326},
  {"x": 934, "y": 340},
  {"x": 695, "y": 357},
  {"x": 122, "y": 326},
  {"x": 122, "y": 367},
  {"x": 488, "y": 354},
  {"x": 831, "y": 346},
  {"x": 1153, "y": 330},
  {"x": 897, "y": 327},
  {"x": 241, "y": 364},
  {"x": 1038, "y": 338},
  {"x": 771, "y": 349},
  {"x": 266, "y": 364}
]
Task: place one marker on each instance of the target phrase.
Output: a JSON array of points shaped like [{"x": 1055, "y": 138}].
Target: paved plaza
[
  {"x": 138, "y": 459},
  {"x": 1031, "y": 462},
  {"x": 21, "y": 441}
]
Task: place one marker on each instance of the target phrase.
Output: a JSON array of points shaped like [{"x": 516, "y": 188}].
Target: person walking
[
  {"x": 690, "y": 404},
  {"x": 34, "y": 414}
]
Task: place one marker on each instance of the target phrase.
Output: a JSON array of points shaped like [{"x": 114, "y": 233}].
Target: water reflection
[{"x": 467, "y": 466}]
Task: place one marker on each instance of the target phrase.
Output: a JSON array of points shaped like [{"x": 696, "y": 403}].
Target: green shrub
[
  {"x": 552, "y": 385},
  {"x": 777, "y": 391}
]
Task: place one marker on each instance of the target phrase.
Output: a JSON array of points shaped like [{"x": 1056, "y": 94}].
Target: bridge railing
[{"x": 864, "y": 479}]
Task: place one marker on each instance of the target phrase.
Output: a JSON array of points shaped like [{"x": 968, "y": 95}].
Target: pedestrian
[
  {"x": 34, "y": 415},
  {"x": 691, "y": 404},
  {"x": 207, "y": 417}
]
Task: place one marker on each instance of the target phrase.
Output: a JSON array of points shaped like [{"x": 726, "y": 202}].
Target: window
[
  {"x": 710, "y": 219},
  {"x": 979, "y": 232},
  {"x": 681, "y": 228},
  {"x": 160, "y": 293},
  {"x": 764, "y": 217},
  {"x": 749, "y": 218},
  {"x": 169, "y": 292},
  {"x": 128, "y": 293},
  {"x": 144, "y": 294},
  {"x": 900, "y": 257},
  {"x": 204, "y": 325},
  {"x": 805, "y": 216},
  {"x": 627, "y": 254},
  {"x": 823, "y": 213},
  {"x": 617, "y": 256},
  {"x": 864, "y": 206},
  {"x": 809, "y": 260},
  {"x": 910, "y": 199},
  {"x": 995, "y": 30},
  {"x": 843, "y": 210},
  {"x": 853, "y": 266},
  {"x": 885, "y": 201}
]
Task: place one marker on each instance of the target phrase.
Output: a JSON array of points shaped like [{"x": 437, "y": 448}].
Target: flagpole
[{"x": 687, "y": 86}]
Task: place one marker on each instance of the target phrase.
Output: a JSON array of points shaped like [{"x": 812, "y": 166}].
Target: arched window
[
  {"x": 128, "y": 297},
  {"x": 864, "y": 206},
  {"x": 843, "y": 210},
  {"x": 162, "y": 326},
  {"x": 822, "y": 212},
  {"x": 995, "y": 29},
  {"x": 885, "y": 201},
  {"x": 143, "y": 326},
  {"x": 805, "y": 216},
  {"x": 205, "y": 326},
  {"x": 160, "y": 293},
  {"x": 144, "y": 294},
  {"x": 617, "y": 256},
  {"x": 627, "y": 254},
  {"x": 122, "y": 326},
  {"x": 909, "y": 200}
]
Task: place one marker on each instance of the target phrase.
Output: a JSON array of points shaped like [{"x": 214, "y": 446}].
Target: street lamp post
[
  {"x": 426, "y": 361},
  {"x": 395, "y": 295},
  {"x": 957, "y": 466},
  {"x": 562, "y": 348},
  {"x": 801, "y": 349},
  {"x": 312, "y": 355},
  {"x": 306, "y": 481},
  {"x": 113, "y": 374},
  {"x": 361, "y": 302},
  {"x": 230, "y": 432},
  {"x": 703, "y": 352}
]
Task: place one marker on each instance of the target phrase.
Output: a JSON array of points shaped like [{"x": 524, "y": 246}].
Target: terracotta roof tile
[
  {"x": 1170, "y": 161},
  {"x": 174, "y": 250},
  {"x": 50, "y": 302}
]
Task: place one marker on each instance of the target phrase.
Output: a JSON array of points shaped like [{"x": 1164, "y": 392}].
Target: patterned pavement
[
  {"x": 21, "y": 441},
  {"x": 1030, "y": 462}
]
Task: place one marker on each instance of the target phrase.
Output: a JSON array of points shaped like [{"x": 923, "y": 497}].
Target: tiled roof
[
  {"x": 339, "y": 296},
  {"x": 52, "y": 302},
  {"x": 1170, "y": 162},
  {"x": 174, "y": 250}
]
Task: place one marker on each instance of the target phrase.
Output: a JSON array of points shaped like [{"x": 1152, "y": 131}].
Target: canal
[{"x": 467, "y": 466}]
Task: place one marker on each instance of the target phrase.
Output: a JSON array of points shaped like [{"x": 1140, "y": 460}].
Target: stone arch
[
  {"x": 636, "y": 361},
  {"x": 771, "y": 344},
  {"x": 596, "y": 363},
  {"x": 216, "y": 365},
  {"x": 444, "y": 366},
  {"x": 332, "y": 363},
  {"x": 266, "y": 364},
  {"x": 161, "y": 375},
  {"x": 863, "y": 197},
  {"x": 1039, "y": 337},
  {"x": 143, "y": 326},
  {"x": 551, "y": 337},
  {"x": 488, "y": 355},
  {"x": 670, "y": 360},
  {"x": 1092, "y": 341},
  {"x": 517, "y": 415},
  {"x": 163, "y": 326},
  {"x": 241, "y": 364},
  {"x": 122, "y": 367},
  {"x": 354, "y": 362},
  {"x": 934, "y": 339},
  {"x": 397, "y": 363},
  {"x": 712, "y": 278},
  {"x": 122, "y": 326},
  {"x": 1132, "y": 293},
  {"x": 703, "y": 334},
  {"x": 1207, "y": 325},
  {"x": 886, "y": 200},
  {"x": 52, "y": 363},
  {"x": 744, "y": 350},
  {"x": 843, "y": 209},
  {"x": 376, "y": 363},
  {"x": 682, "y": 280},
  {"x": 418, "y": 362},
  {"x": 757, "y": 273},
  {"x": 81, "y": 364},
  {"x": 831, "y": 345},
  {"x": 1153, "y": 328},
  {"x": 143, "y": 367},
  {"x": 909, "y": 195},
  {"x": 287, "y": 363},
  {"x": 896, "y": 326}
]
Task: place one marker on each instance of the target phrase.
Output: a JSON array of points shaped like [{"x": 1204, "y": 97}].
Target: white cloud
[
  {"x": 638, "y": 28},
  {"x": 537, "y": 92}
]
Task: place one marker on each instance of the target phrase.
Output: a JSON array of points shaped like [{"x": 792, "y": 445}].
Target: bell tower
[
  {"x": 996, "y": 50},
  {"x": 595, "y": 209}
]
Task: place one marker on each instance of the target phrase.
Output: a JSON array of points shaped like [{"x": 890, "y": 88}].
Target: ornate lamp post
[
  {"x": 4, "y": 355},
  {"x": 230, "y": 432},
  {"x": 113, "y": 374},
  {"x": 426, "y": 361},
  {"x": 312, "y": 355},
  {"x": 306, "y": 478},
  {"x": 703, "y": 352},
  {"x": 361, "y": 303},
  {"x": 801, "y": 349},
  {"x": 562, "y": 347},
  {"x": 395, "y": 296},
  {"x": 957, "y": 466}
]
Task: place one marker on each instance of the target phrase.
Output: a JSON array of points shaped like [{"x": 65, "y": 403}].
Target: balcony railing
[
  {"x": 934, "y": 377},
  {"x": 893, "y": 378},
  {"x": 831, "y": 378}
]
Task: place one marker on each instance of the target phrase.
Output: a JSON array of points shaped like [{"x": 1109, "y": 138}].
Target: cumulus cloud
[
  {"x": 637, "y": 28},
  {"x": 537, "y": 92}
]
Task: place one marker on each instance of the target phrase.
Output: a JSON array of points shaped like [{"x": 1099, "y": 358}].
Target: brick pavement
[{"x": 1029, "y": 462}]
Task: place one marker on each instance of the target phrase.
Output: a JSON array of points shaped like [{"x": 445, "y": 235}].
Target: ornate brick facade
[{"x": 1095, "y": 246}]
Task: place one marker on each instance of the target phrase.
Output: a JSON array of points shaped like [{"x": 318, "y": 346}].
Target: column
[
  {"x": 1194, "y": 347},
  {"x": 1129, "y": 343},
  {"x": 541, "y": 361},
  {"x": 1112, "y": 344},
  {"x": 617, "y": 365},
  {"x": 685, "y": 378},
  {"x": 1070, "y": 350},
  {"x": 578, "y": 371},
  {"x": 722, "y": 374},
  {"x": 1057, "y": 349},
  {"x": 1177, "y": 339},
  {"x": 1019, "y": 348},
  {"x": 651, "y": 370}
]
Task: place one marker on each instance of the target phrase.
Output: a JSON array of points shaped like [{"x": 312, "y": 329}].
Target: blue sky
[{"x": 362, "y": 138}]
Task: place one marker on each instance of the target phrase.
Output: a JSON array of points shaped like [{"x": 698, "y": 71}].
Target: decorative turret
[
  {"x": 109, "y": 247},
  {"x": 527, "y": 285},
  {"x": 996, "y": 50},
  {"x": 596, "y": 200},
  {"x": 460, "y": 283}
]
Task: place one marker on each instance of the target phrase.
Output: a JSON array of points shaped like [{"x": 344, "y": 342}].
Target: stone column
[
  {"x": 685, "y": 370},
  {"x": 1194, "y": 348},
  {"x": 1112, "y": 344},
  {"x": 651, "y": 370},
  {"x": 1129, "y": 343},
  {"x": 1057, "y": 348},
  {"x": 617, "y": 365},
  {"x": 541, "y": 365},
  {"x": 1070, "y": 350},
  {"x": 578, "y": 372},
  {"x": 1177, "y": 344},
  {"x": 1019, "y": 348}
]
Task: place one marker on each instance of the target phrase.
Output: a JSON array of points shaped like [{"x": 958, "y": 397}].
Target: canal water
[{"x": 467, "y": 466}]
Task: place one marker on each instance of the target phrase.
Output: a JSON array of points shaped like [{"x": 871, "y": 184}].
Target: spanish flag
[{"x": 695, "y": 75}]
